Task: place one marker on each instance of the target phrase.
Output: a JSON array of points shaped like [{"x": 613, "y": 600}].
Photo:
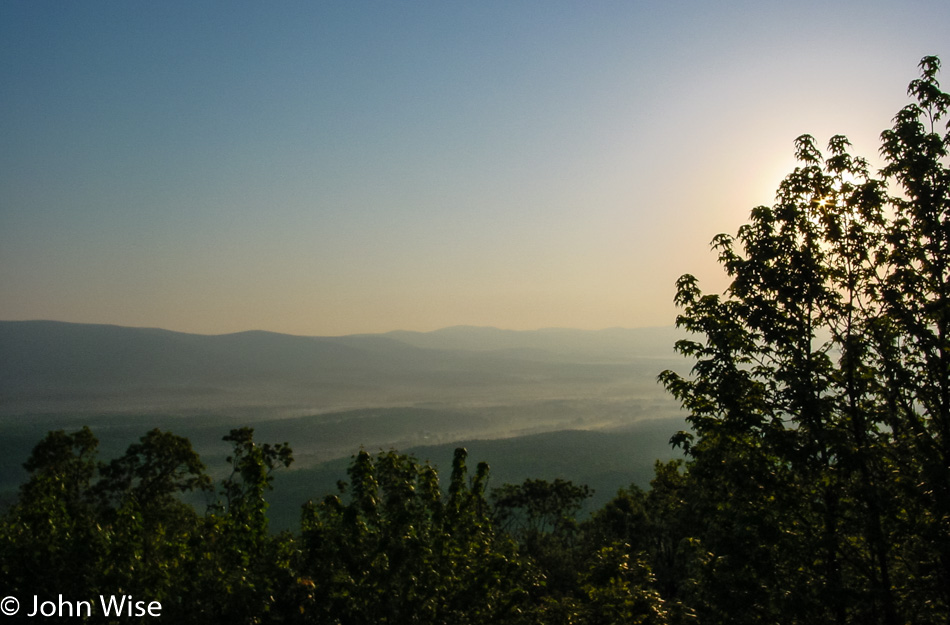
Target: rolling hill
[{"x": 531, "y": 403}]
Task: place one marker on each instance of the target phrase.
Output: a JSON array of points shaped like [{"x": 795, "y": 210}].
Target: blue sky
[{"x": 331, "y": 167}]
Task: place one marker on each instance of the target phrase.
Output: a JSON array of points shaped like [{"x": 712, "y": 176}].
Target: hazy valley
[{"x": 581, "y": 405}]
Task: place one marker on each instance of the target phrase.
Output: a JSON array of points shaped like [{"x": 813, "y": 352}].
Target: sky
[{"x": 328, "y": 168}]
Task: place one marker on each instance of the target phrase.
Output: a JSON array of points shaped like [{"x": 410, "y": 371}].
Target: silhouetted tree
[{"x": 819, "y": 473}]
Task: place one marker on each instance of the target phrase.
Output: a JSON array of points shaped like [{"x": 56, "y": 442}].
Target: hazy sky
[{"x": 340, "y": 167}]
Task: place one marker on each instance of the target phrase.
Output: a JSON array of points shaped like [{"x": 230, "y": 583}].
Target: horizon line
[{"x": 383, "y": 333}]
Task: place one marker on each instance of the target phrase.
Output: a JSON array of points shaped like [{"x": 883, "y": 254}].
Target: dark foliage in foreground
[
  {"x": 394, "y": 545},
  {"x": 817, "y": 486}
]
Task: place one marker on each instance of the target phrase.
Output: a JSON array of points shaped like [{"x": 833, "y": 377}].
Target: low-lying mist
[{"x": 330, "y": 396}]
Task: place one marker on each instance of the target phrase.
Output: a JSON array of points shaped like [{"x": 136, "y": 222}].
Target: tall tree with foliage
[
  {"x": 541, "y": 516},
  {"x": 147, "y": 525},
  {"x": 391, "y": 547},
  {"x": 915, "y": 347},
  {"x": 50, "y": 540},
  {"x": 819, "y": 400},
  {"x": 241, "y": 572}
]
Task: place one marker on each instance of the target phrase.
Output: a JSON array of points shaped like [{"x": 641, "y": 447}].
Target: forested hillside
[{"x": 816, "y": 487}]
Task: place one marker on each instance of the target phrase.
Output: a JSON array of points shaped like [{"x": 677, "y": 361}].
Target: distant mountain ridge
[
  {"x": 50, "y": 366},
  {"x": 329, "y": 396},
  {"x": 615, "y": 343}
]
